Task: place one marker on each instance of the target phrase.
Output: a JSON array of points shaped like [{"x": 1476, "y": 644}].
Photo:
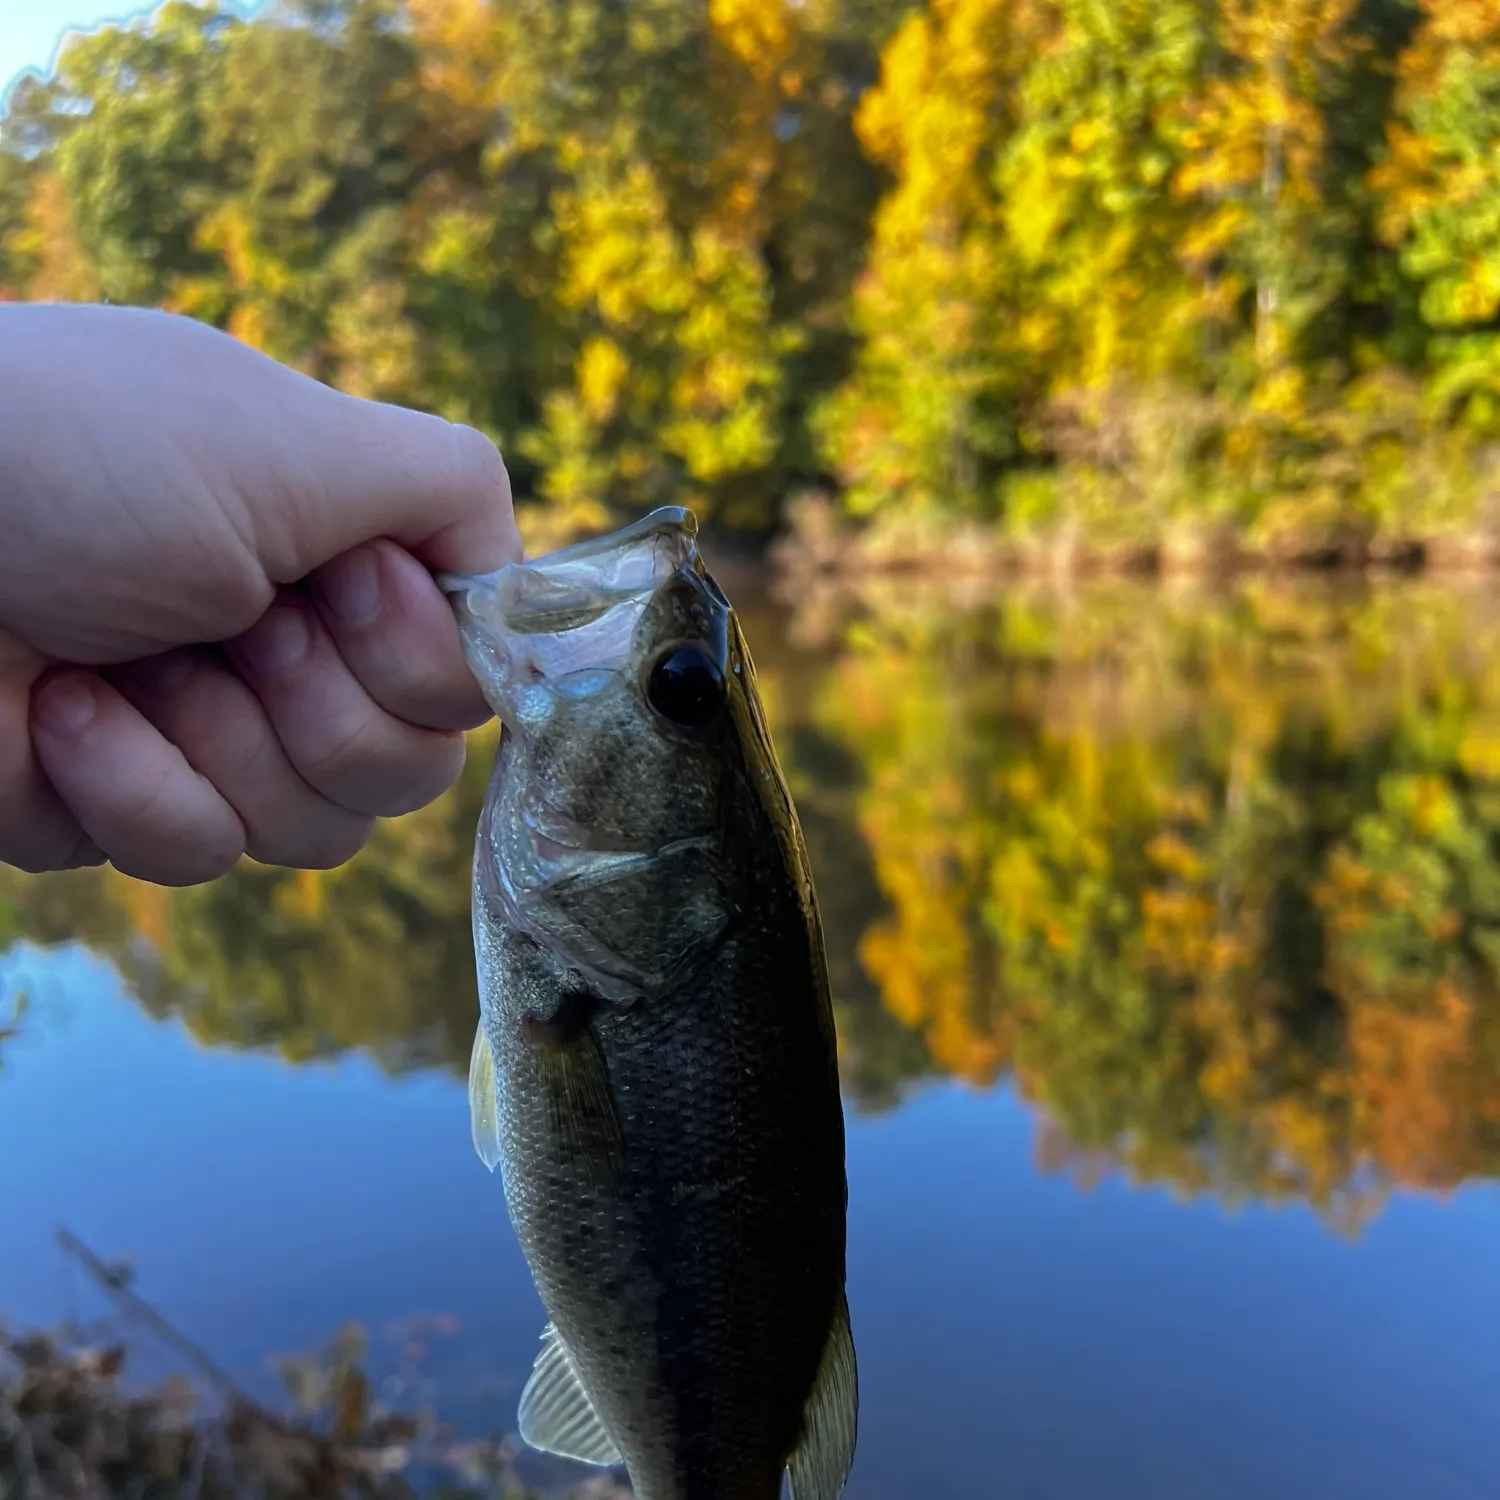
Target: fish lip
[
  {"x": 570, "y": 610},
  {"x": 665, "y": 519}
]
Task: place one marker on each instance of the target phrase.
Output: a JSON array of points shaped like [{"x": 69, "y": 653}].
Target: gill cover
[{"x": 604, "y": 661}]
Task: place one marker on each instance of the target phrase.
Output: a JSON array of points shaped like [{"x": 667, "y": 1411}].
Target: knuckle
[
  {"x": 346, "y": 747},
  {"x": 157, "y": 834},
  {"x": 475, "y": 462},
  {"x": 141, "y": 803},
  {"x": 253, "y": 757},
  {"x": 400, "y": 687},
  {"x": 432, "y": 772}
]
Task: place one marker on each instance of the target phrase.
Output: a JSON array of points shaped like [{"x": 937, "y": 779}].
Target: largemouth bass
[{"x": 654, "y": 1071}]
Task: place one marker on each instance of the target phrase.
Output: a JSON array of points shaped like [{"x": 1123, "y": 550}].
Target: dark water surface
[{"x": 1165, "y": 931}]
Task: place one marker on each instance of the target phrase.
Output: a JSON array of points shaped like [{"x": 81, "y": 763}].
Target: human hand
[{"x": 218, "y": 631}]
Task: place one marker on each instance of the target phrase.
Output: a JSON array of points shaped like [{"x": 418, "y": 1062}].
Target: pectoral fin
[
  {"x": 556, "y": 1414},
  {"x": 582, "y": 1108},
  {"x": 484, "y": 1106},
  {"x": 819, "y": 1465}
]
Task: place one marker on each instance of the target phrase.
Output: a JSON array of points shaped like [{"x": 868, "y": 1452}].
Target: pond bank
[
  {"x": 77, "y": 1422},
  {"x": 820, "y": 542}
]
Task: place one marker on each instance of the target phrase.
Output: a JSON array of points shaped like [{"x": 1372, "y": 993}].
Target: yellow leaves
[
  {"x": 455, "y": 241},
  {"x": 1306, "y": 1135},
  {"x": 373, "y": 342},
  {"x": 1282, "y": 393},
  {"x": 1227, "y": 1078},
  {"x": 302, "y": 895},
  {"x": 461, "y": 55},
  {"x": 1085, "y": 135},
  {"x": 930, "y": 116},
  {"x": 1242, "y": 128},
  {"x": 1179, "y": 931},
  {"x": 251, "y": 323},
  {"x": 602, "y": 368},
  {"x": 1035, "y": 208},
  {"x": 1291, "y": 36},
  {"x": 1168, "y": 852},
  {"x": 1469, "y": 23},
  {"x": 1476, "y": 296},
  {"x": 1405, "y": 182},
  {"x": 882, "y": 118},
  {"x": 1479, "y": 751},
  {"x": 757, "y": 32},
  {"x": 48, "y": 238},
  {"x": 1131, "y": 914},
  {"x": 1209, "y": 236},
  {"x": 686, "y": 328},
  {"x": 1433, "y": 808},
  {"x": 228, "y": 232},
  {"x": 622, "y": 254}
]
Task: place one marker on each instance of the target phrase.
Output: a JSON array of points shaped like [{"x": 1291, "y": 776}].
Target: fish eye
[{"x": 686, "y": 687}]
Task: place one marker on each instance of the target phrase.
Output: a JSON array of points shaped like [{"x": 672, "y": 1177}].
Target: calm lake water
[{"x": 1165, "y": 933}]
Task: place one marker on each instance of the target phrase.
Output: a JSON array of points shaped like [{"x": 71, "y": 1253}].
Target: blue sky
[{"x": 30, "y": 29}]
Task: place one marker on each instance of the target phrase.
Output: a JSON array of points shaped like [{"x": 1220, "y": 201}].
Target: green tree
[{"x": 1439, "y": 199}]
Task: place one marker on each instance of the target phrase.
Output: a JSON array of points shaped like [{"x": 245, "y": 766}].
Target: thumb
[{"x": 355, "y": 470}]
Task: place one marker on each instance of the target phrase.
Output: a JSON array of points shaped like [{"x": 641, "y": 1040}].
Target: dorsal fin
[
  {"x": 556, "y": 1414},
  {"x": 820, "y": 1463}
]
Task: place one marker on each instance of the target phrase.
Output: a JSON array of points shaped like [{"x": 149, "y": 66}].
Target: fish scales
[{"x": 656, "y": 1072}]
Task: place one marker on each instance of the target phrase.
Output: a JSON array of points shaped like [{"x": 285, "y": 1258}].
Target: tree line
[{"x": 1144, "y": 271}]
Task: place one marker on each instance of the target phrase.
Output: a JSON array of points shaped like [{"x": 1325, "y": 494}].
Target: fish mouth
[{"x": 568, "y": 618}]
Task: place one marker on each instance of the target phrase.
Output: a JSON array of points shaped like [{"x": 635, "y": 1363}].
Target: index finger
[{"x": 353, "y": 470}]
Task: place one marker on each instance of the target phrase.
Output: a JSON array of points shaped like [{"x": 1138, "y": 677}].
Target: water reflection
[{"x": 1212, "y": 877}]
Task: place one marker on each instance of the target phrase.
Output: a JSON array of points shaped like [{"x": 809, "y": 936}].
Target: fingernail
[
  {"x": 66, "y": 705},
  {"x": 277, "y": 643},
  {"x": 350, "y": 587}
]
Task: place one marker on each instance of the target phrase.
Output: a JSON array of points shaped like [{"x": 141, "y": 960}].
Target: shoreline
[{"x": 821, "y": 546}]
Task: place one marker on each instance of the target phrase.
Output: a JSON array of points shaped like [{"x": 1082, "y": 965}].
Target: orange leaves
[
  {"x": 1414, "y": 1086},
  {"x": 1470, "y": 23},
  {"x": 1261, "y": 128},
  {"x": 1227, "y": 932},
  {"x": 461, "y": 53},
  {"x": 48, "y": 240},
  {"x": 759, "y": 33}
]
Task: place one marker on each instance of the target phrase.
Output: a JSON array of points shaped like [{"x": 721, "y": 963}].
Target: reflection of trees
[
  {"x": 375, "y": 955},
  {"x": 1219, "y": 886},
  {"x": 877, "y": 1052},
  {"x": 1216, "y": 883}
]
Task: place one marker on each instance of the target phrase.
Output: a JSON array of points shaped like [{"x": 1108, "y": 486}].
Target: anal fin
[
  {"x": 820, "y": 1463},
  {"x": 556, "y": 1414}
]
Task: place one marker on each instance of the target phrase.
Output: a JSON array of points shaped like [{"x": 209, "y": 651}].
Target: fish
[{"x": 655, "y": 1070}]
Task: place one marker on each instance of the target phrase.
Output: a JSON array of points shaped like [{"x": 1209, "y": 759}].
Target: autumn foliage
[{"x": 1128, "y": 277}]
